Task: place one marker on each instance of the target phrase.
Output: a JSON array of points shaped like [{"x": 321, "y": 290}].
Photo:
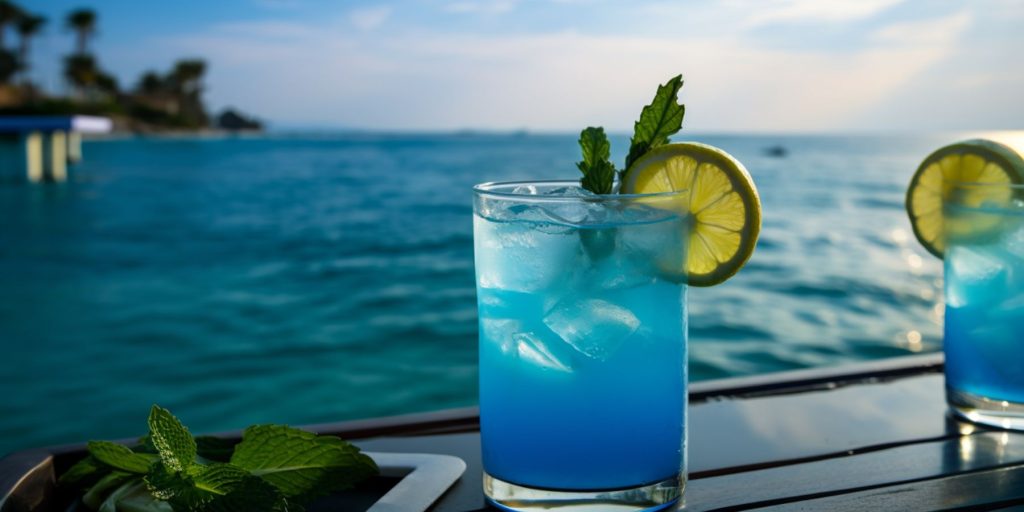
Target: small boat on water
[{"x": 776, "y": 151}]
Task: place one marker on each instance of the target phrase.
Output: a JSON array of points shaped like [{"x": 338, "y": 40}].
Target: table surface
[
  {"x": 866, "y": 443},
  {"x": 870, "y": 437}
]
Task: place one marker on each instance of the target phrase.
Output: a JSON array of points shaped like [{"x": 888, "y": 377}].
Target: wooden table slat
[{"x": 983, "y": 450}]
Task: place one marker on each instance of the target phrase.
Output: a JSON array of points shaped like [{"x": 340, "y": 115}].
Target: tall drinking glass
[
  {"x": 582, "y": 312},
  {"x": 984, "y": 322}
]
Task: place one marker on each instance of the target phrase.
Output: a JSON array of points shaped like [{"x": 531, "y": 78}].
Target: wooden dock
[{"x": 52, "y": 142}]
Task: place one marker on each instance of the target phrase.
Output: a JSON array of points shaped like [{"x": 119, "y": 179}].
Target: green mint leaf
[
  {"x": 216, "y": 487},
  {"x": 595, "y": 146},
  {"x": 251, "y": 494},
  {"x": 598, "y": 171},
  {"x": 600, "y": 178},
  {"x": 659, "y": 120},
  {"x": 84, "y": 472},
  {"x": 120, "y": 457},
  {"x": 171, "y": 439},
  {"x": 145, "y": 445},
  {"x": 214, "y": 448},
  {"x": 219, "y": 479},
  {"x": 177, "y": 488},
  {"x": 299, "y": 463}
]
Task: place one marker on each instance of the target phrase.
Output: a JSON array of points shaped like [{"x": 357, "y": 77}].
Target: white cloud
[
  {"x": 940, "y": 31},
  {"x": 558, "y": 81},
  {"x": 370, "y": 18},
  {"x": 774, "y": 11},
  {"x": 420, "y": 78}
]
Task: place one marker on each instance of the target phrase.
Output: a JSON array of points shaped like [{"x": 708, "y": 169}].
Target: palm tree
[
  {"x": 107, "y": 84},
  {"x": 83, "y": 22},
  {"x": 186, "y": 82},
  {"x": 150, "y": 83},
  {"x": 186, "y": 76},
  {"x": 9, "y": 13},
  {"x": 81, "y": 71},
  {"x": 28, "y": 26}
]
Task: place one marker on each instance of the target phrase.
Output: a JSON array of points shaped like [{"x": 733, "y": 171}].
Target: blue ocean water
[{"x": 312, "y": 278}]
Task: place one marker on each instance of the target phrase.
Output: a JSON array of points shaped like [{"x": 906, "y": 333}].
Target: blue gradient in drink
[
  {"x": 984, "y": 322},
  {"x": 582, "y": 351}
]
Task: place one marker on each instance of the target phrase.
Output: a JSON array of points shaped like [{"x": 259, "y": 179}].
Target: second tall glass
[{"x": 984, "y": 321}]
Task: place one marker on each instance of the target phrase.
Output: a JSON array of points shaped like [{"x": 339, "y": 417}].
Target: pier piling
[
  {"x": 52, "y": 142},
  {"x": 34, "y": 156},
  {"x": 58, "y": 156},
  {"x": 74, "y": 147}
]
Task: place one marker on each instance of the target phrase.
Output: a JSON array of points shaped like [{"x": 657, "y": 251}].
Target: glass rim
[{"x": 487, "y": 190}]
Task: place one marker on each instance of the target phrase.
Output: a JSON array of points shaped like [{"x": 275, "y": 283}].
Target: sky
[{"x": 804, "y": 66}]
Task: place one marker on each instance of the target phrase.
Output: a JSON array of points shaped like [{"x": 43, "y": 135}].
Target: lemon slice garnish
[
  {"x": 721, "y": 203},
  {"x": 971, "y": 161}
]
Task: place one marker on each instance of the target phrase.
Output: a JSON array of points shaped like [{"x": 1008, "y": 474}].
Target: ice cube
[
  {"x": 573, "y": 213},
  {"x": 532, "y": 349},
  {"x": 518, "y": 257},
  {"x": 497, "y": 303},
  {"x": 570, "y": 192},
  {"x": 976, "y": 277},
  {"x": 594, "y": 327},
  {"x": 642, "y": 252},
  {"x": 1010, "y": 310},
  {"x": 621, "y": 269},
  {"x": 501, "y": 332},
  {"x": 530, "y": 190}
]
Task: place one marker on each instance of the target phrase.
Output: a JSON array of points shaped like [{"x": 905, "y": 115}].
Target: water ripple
[{"x": 280, "y": 279}]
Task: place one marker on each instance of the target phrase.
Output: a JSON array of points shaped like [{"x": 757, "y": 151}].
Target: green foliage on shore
[{"x": 158, "y": 101}]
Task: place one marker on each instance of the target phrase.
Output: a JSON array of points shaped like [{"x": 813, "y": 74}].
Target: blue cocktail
[
  {"x": 984, "y": 322},
  {"x": 582, "y": 345}
]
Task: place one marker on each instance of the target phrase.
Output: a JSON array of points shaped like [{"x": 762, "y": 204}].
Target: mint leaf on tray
[
  {"x": 171, "y": 439},
  {"x": 274, "y": 468},
  {"x": 118, "y": 456},
  {"x": 300, "y": 463}
]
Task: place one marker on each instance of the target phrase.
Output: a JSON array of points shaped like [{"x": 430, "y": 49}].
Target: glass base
[
  {"x": 664, "y": 495},
  {"x": 986, "y": 411}
]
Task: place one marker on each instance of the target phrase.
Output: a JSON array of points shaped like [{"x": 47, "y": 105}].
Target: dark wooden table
[{"x": 867, "y": 437}]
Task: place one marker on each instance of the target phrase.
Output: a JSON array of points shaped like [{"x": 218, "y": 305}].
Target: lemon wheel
[
  {"x": 721, "y": 203},
  {"x": 971, "y": 161}
]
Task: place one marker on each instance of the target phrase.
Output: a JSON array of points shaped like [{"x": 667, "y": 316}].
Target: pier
[{"x": 51, "y": 142}]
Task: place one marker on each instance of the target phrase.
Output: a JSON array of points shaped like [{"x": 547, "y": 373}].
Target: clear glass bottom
[
  {"x": 664, "y": 495},
  {"x": 986, "y": 411}
]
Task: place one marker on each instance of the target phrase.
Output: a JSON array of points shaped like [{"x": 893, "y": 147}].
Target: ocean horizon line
[{"x": 329, "y": 132}]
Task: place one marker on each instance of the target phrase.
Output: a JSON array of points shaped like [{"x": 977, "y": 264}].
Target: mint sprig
[
  {"x": 120, "y": 457},
  {"x": 659, "y": 120},
  {"x": 171, "y": 439},
  {"x": 274, "y": 468},
  {"x": 598, "y": 171}
]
